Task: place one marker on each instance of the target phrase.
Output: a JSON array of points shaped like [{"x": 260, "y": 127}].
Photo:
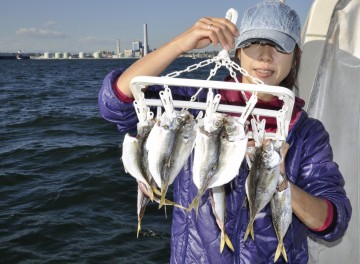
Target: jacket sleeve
[
  {"x": 123, "y": 114},
  {"x": 114, "y": 110},
  {"x": 319, "y": 175}
]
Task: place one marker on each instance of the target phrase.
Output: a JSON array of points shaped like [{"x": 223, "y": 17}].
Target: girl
[{"x": 268, "y": 47}]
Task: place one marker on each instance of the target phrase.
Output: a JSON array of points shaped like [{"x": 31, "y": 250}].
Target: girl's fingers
[{"x": 220, "y": 30}]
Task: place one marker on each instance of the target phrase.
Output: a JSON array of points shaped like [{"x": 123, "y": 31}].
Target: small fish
[
  {"x": 217, "y": 195},
  {"x": 281, "y": 212},
  {"x": 206, "y": 156},
  {"x": 131, "y": 158},
  {"x": 233, "y": 145},
  {"x": 142, "y": 201},
  {"x": 262, "y": 181},
  {"x": 183, "y": 146},
  {"x": 159, "y": 145}
]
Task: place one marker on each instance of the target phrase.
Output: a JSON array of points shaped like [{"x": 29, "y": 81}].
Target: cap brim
[{"x": 284, "y": 41}]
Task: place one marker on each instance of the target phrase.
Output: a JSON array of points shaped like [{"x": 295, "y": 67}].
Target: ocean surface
[{"x": 64, "y": 195}]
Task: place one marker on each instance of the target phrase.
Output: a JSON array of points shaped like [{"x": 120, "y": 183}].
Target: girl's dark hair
[{"x": 289, "y": 81}]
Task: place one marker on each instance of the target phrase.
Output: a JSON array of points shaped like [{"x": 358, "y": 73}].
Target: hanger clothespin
[
  {"x": 248, "y": 108},
  {"x": 212, "y": 104},
  {"x": 142, "y": 110},
  {"x": 167, "y": 101},
  {"x": 258, "y": 129}
]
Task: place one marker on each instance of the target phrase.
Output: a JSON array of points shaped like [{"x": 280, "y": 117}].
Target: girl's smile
[{"x": 266, "y": 63}]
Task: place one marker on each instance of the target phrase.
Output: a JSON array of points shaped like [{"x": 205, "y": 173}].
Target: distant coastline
[
  {"x": 14, "y": 56},
  {"x": 84, "y": 56}
]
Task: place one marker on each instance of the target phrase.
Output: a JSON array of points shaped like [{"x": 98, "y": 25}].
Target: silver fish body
[
  {"x": 219, "y": 209},
  {"x": 206, "y": 156},
  {"x": 132, "y": 153},
  {"x": 281, "y": 212},
  {"x": 183, "y": 146},
  {"x": 159, "y": 145},
  {"x": 262, "y": 181},
  {"x": 142, "y": 201},
  {"x": 131, "y": 158},
  {"x": 233, "y": 145}
]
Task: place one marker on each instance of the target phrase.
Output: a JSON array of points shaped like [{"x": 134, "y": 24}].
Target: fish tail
[
  {"x": 222, "y": 242},
  {"x": 249, "y": 230},
  {"x": 168, "y": 202},
  {"x": 175, "y": 204},
  {"x": 194, "y": 205},
  {"x": 228, "y": 242},
  {"x": 155, "y": 191},
  {"x": 139, "y": 227},
  {"x": 165, "y": 212},
  {"x": 151, "y": 193},
  {"x": 280, "y": 250},
  {"x": 162, "y": 200},
  {"x": 164, "y": 188},
  {"x": 225, "y": 240}
]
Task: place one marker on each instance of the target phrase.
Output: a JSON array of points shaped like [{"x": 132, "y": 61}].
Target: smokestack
[
  {"x": 146, "y": 47},
  {"x": 118, "y": 47}
]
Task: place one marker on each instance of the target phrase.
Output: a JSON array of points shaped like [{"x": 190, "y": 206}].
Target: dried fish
[
  {"x": 206, "y": 156},
  {"x": 262, "y": 180},
  {"x": 217, "y": 195},
  {"x": 281, "y": 212}
]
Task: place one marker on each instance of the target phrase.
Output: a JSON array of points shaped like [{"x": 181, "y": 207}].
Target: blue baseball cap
[{"x": 271, "y": 21}]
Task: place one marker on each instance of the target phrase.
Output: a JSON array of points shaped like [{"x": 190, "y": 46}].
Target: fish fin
[
  {"x": 284, "y": 253},
  {"x": 249, "y": 230},
  {"x": 162, "y": 201},
  {"x": 165, "y": 212},
  {"x": 194, "y": 205},
  {"x": 156, "y": 191},
  {"x": 168, "y": 202},
  {"x": 139, "y": 227},
  {"x": 151, "y": 193},
  {"x": 280, "y": 250},
  {"x": 222, "y": 242},
  {"x": 228, "y": 242}
]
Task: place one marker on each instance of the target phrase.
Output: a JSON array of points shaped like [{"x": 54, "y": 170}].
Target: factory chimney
[
  {"x": 118, "y": 47},
  {"x": 146, "y": 46}
]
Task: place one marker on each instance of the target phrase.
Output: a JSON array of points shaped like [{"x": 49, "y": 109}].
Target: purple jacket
[{"x": 309, "y": 165}]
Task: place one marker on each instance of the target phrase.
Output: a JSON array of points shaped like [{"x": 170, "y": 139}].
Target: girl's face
[{"x": 264, "y": 62}]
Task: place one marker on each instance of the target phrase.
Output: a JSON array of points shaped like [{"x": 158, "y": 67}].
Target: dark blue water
[{"x": 64, "y": 195}]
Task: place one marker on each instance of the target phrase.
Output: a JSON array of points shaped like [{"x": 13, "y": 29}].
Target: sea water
[{"x": 64, "y": 195}]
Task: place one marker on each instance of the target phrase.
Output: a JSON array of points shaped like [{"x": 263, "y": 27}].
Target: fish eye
[{"x": 230, "y": 129}]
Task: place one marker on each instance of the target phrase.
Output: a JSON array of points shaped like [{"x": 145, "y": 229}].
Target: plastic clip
[{"x": 167, "y": 102}]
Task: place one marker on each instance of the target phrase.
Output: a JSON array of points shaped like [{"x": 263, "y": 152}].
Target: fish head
[
  {"x": 176, "y": 121},
  {"x": 215, "y": 124},
  {"x": 234, "y": 130},
  {"x": 270, "y": 156},
  {"x": 143, "y": 129},
  {"x": 189, "y": 128}
]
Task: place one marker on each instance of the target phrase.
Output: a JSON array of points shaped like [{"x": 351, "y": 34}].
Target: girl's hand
[{"x": 206, "y": 31}]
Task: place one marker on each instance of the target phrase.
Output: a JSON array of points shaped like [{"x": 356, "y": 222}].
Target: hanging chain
[
  {"x": 191, "y": 68},
  {"x": 219, "y": 61}
]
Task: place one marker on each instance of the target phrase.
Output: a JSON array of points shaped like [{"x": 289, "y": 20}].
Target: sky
[{"x": 92, "y": 25}]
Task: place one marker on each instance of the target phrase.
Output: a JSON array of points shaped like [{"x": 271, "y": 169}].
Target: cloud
[
  {"x": 42, "y": 33},
  {"x": 49, "y": 24}
]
